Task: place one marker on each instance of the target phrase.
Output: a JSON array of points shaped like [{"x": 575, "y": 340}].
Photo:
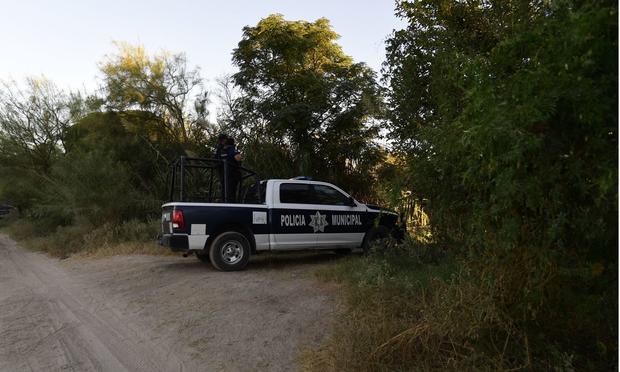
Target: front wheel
[
  {"x": 374, "y": 235},
  {"x": 230, "y": 251}
]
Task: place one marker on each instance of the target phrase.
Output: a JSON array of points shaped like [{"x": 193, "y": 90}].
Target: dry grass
[
  {"x": 417, "y": 309},
  {"x": 83, "y": 241},
  {"x": 383, "y": 312},
  {"x": 123, "y": 249}
]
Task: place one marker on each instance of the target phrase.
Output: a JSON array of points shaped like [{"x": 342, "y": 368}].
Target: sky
[{"x": 64, "y": 40}]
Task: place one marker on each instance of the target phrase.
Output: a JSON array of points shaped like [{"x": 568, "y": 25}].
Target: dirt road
[{"x": 158, "y": 313}]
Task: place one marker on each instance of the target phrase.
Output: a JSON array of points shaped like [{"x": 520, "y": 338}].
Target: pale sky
[{"x": 64, "y": 40}]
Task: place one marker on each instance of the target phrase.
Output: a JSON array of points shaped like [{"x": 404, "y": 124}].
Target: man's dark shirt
[{"x": 219, "y": 150}]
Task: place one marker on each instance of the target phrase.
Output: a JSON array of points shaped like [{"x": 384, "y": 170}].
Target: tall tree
[
  {"x": 162, "y": 84},
  {"x": 33, "y": 121},
  {"x": 507, "y": 112},
  {"x": 299, "y": 91}
]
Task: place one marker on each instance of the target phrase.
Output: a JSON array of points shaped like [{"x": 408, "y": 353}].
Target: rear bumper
[{"x": 177, "y": 243}]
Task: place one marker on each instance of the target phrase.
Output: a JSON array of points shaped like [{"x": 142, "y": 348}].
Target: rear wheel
[
  {"x": 230, "y": 251},
  {"x": 374, "y": 235}
]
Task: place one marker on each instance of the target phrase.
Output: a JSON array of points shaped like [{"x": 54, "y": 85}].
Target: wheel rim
[{"x": 231, "y": 252}]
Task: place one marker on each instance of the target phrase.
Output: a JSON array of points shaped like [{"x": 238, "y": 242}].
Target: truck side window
[
  {"x": 328, "y": 195},
  {"x": 298, "y": 193}
]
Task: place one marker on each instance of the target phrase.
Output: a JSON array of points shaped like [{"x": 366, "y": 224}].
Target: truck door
[
  {"x": 345, "y": 220},
  {"x": 291, "y": 215}
]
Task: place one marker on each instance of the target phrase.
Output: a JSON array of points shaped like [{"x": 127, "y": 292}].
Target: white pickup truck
[{"x": 284, "y": 215}]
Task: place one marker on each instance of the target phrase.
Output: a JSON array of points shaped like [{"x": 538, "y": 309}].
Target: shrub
[{"x": 508, "y": 116}]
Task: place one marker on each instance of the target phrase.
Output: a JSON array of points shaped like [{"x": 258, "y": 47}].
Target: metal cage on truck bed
[{"x": 213, "y": 181}]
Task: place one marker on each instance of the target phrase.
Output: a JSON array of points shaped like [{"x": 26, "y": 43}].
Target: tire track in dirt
[
  {"x": 58, "y": 327},
  {"x": 150, "y": 313}
]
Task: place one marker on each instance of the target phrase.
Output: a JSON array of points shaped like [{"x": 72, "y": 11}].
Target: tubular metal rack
[{"x": 207, "y": 180}]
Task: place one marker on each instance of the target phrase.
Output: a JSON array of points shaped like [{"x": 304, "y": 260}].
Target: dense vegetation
[{"x": 502, "y": 125}]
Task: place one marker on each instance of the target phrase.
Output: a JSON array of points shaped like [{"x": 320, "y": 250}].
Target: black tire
[
  {"x": 204, "y": 257},
  {"x": 374, "y": 234},
  {"x": 230, "y": 251}
]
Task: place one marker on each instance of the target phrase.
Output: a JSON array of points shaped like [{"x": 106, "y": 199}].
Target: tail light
[{"x": 178, "y": 222}]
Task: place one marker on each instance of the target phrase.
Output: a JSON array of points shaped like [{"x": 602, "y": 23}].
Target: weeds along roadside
[
  {"x": 418, "y": 307},
  {"x": 383, "y": 295},
  {"x": 83, "y": 239}
]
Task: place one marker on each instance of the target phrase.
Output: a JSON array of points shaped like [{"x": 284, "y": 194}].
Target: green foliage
[
  {"x": 63, "y": 162},
  {"x": 33, "y": 119},
  {"x": 507, "y": 113},
  {"x": 134, "y": 138},
  {"x": 114, "y": 169},
  {"x": 504, "y": 120},
  {"x": 162, "y": 84},
  {"x": 299, "y": 92},
  {"x": 97, "y": 188}
]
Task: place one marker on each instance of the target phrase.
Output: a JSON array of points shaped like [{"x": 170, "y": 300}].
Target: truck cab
[{"x": 275, "y": 215}]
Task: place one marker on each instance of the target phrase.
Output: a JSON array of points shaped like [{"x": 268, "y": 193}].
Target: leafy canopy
[
  {"x": 299, "y": 91},
  {"x": 162, "y": 84},
  {"x": 507, "y": 113}
]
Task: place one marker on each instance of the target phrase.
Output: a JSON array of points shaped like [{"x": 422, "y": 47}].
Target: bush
[
  {"x": 507, "y": 114},
  {"x": 96, "y": 188}
]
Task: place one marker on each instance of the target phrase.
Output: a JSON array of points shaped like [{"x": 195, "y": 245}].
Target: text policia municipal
[{"x": 336, "y": 220}]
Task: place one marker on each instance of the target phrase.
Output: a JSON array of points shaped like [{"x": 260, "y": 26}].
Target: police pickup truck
[{"x": 272, "y": 215}]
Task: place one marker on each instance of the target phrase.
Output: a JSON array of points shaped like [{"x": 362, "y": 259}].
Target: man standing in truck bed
[
  {"x": 226, "y": 151},
  {"x": 233, "y": 157},
  {"x": 218, "y": 155}
]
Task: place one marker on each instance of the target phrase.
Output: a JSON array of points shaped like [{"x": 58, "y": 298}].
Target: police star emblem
[{"x": 318, "y": 221}]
